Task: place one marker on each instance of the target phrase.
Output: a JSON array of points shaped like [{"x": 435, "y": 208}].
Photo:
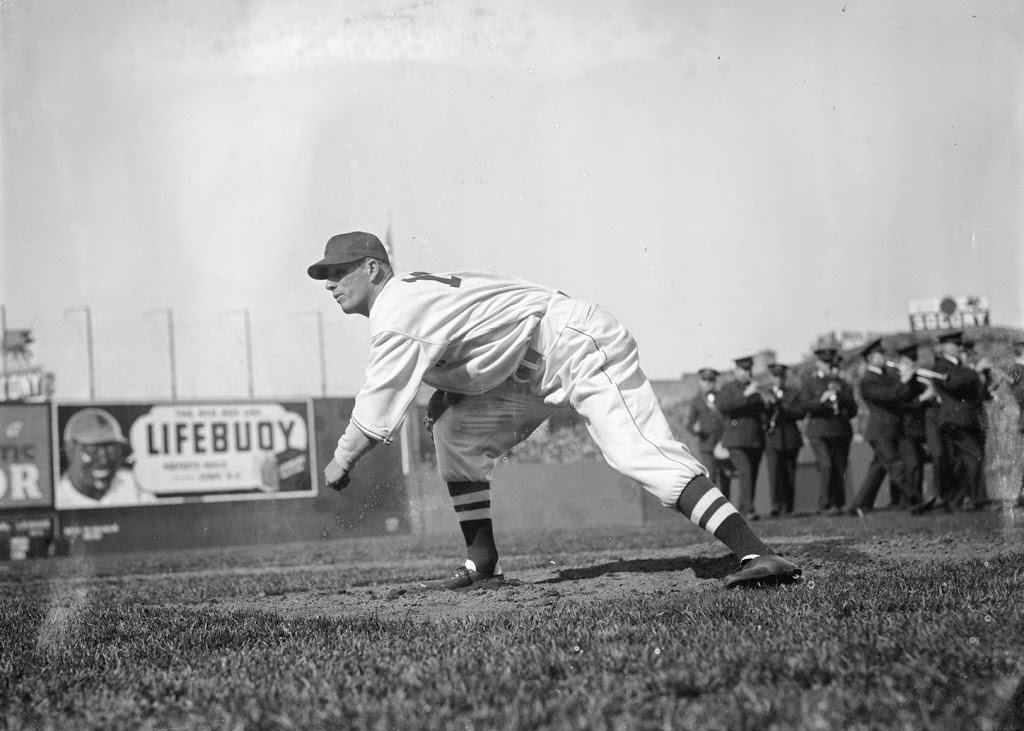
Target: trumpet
[{"x": 924, "y": 375}]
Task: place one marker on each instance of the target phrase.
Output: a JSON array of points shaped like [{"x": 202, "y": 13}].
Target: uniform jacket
[
  {"x": 913, "y": 411},
  {"x": 705, "y": 421},
  {"x": 781, "y": 422},
  {"x": 885, "y": 395},
  {"x": 744, "y": 416},
  {"x": 827, "y": 420},
  {"x": 962, "y": 394}
]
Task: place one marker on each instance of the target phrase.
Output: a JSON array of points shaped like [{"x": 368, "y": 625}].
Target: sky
[{"x": 724, "y": 177}]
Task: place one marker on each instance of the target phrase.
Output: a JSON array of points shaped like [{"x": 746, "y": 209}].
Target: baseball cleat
[
  {"x": 464, "y": 578},
  {"x": 767, "y": 570}
]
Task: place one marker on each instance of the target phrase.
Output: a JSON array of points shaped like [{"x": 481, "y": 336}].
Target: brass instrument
[{"x": 924, "y": 375}]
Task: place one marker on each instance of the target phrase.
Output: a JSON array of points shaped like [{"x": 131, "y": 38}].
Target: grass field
[{"x": 900, "y": 622}]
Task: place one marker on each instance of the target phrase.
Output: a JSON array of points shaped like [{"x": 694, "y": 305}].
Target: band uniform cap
[
  {"x": 1018, "y": 343},
  {"x": 957, "y": 336},
  {"x": 967, "y": 344},
  {"x": 908, "y": 351},
  {"x": 778, "y": 369},
  {"x": 345, "y": 248},
  {"x": 873, "y": 346},
  {"x": 746, "y": 363},
  {"x": 826, "y": 352},
  {"x": 93, "y": 426},
  {"x": 707, "y": 374}
]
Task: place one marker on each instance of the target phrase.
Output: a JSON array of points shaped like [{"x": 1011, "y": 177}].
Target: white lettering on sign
[
  {"x": 21, "y": 386},
  {"x": 21, "y": 480}
]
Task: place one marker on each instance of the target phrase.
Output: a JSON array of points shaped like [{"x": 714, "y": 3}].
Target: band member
[
  {"x": 743, "y": 406},
  {"x": 829, "y": 403},
  {"x": 706, "y": 422},
  {"x": 884, "y": 389},
  {"x": 1015, "y": 379},
  {"x": 978, "y": 497},
  {"x": 913, "y": 429},
  {"x": 960, "y": 390},
  {"x": 782, "y": 439}
]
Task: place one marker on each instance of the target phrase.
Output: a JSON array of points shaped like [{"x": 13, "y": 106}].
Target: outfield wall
[
  {"x": 549, "y": 496},
  {"x": 204, "y": 474}
]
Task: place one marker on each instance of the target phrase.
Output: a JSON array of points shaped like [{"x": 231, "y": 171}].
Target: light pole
[
  {"x": 88, "y": 344},
  {"x": 320, "y": 345},
  {"x": 170, "y": 348},
  {"x": 248, "y": 345}
]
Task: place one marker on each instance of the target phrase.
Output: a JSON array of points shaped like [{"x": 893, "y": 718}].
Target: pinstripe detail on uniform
[
  {"x": 704, "y": 503},
  {"x": 720, "y": 514}
]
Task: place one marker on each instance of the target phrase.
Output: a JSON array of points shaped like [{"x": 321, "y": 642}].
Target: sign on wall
[
  {"x": 25, "y": 467},
  {"x": 164, "y": 453},
  {"x": 948, "y": 313}
]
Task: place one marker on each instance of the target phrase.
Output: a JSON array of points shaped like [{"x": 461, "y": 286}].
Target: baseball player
[{"x": 511, "y": 352}]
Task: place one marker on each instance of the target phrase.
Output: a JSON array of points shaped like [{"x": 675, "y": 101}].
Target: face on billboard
[{"x": 92, "y": 467}]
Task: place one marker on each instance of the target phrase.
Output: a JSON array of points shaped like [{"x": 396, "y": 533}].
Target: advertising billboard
[
  {"x": 949, "y": 312},
  {"x": 26, "y": 479},
  {"x": 131, "y": 454}
]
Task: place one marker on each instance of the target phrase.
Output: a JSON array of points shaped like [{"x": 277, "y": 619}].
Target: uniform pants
[
  {"x": 746, "y": 460},
  {"x": 782, "y": 478},
  {"x": 911, "y": 451},
  {"x": 590, "y": 362},
  {"x": 833, "y": 456},
  {"x": 884, "y": 461},
  {"x": 964, "y": 451}
]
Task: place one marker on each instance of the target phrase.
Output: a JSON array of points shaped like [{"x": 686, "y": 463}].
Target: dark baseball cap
[
  {"x": 345, "y": 248},
  {"x": 778, "y": 369},
  {"x": 707, "y": 374},
  {"x": 746, "y": 362},
  {"x": 957, "y": 336}
]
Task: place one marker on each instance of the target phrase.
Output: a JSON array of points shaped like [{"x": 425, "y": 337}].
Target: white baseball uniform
[{"x": 518, "y": 351}]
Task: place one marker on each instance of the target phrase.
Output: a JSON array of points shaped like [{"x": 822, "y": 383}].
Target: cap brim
[
  {"x": 322, "y": 267},
  {"x": 99, "y": 438}
]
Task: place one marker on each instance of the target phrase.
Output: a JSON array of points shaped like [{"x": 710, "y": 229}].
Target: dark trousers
[
  {"x": 782, "y": 478},
  {"x": 964, "y": 452},
  {"x": 833, "y": 456},
  {"x": 718, "y": 470},
  {"x": 940, "y": 468},
  {"x": 885, "y": 461},
  {"x": 746, "y": 461},
  {"x": 912, "y": 456}
]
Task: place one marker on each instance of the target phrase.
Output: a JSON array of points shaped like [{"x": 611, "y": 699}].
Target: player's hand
[
  {"x": 335, "y": 477},
  {"x": 750, "y": 390}
]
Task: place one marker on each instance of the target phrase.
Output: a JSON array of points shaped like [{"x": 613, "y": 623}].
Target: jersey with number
[{"x": 464, "y": 332}]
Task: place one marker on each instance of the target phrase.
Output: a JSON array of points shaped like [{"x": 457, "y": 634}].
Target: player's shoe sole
[
  {"x": 463, "y": 579},
  {"x": 767, "y": 570}
]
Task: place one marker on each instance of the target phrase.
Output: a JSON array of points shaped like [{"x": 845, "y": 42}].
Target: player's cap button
[{"x": 344, "y": 248}]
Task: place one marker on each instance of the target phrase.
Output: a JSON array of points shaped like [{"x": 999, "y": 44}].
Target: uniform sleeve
[{"x": 393, "y": 376}]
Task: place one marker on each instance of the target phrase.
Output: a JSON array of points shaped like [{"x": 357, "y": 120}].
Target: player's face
[
  {"x": 350, "y": 286},
  {"x": 93, "y": 466},
  {"x": 707, "y": 385}
]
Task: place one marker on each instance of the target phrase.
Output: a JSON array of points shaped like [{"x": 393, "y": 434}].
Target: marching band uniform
[
  {"x": 782, "y": 441},
  {"x": 829, "y": 403}
]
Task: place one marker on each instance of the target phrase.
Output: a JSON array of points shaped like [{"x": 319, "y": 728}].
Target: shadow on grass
[
  {"x": 832, "y": 550},
  {"x": 702, "y": 567}
]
